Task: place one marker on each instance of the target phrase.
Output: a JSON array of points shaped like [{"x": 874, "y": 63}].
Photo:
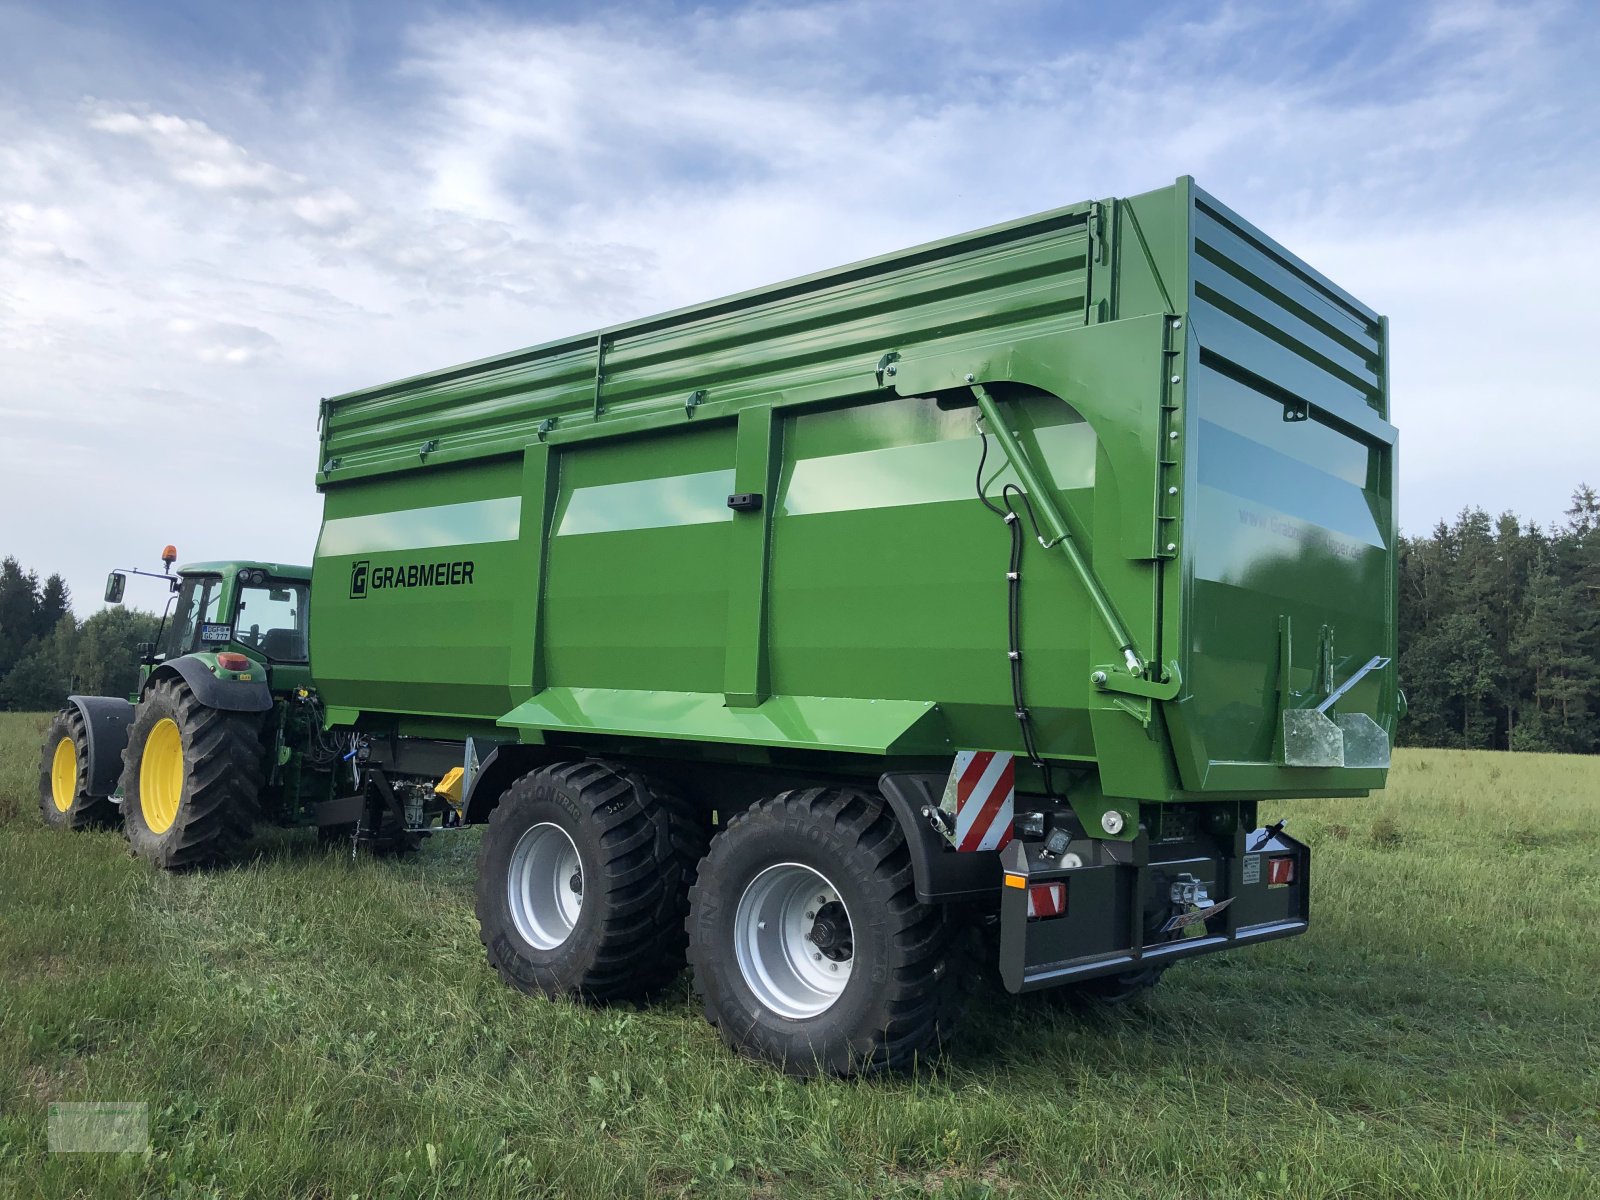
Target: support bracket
[
  {"x": 1060, "y": 534},
  {"x": 1111, "y": 679}
]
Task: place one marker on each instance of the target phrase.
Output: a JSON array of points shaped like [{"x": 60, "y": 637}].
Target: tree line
[
  {"x": 1500, "y": 632},
  {"x": 1499, "y": 635},
  {"x": 47, "y": 653}
]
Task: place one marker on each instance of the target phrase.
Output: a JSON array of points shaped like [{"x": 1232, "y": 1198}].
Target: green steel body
[{"x": 538, "y": 548}]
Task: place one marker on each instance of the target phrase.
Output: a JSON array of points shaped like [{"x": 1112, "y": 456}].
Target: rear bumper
[{"x": 1119, "y": 905}]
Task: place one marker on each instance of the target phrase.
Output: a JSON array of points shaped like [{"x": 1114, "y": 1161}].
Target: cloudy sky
[{"x": 212, "y": 213}]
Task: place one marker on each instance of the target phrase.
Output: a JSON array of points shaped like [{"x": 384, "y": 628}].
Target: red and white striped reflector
[
  {"x": 985, "y": 784},
  {"x": 1047, "y": 900},
  {"x": 1280, "y": 871}
]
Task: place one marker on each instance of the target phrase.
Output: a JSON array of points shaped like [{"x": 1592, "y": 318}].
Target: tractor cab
[
  {"x": 253, "y": 609},
  {"x": 239, "y": 617}
]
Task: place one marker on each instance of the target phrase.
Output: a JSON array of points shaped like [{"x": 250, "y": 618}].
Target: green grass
[{"x": 306, "y": 1026}]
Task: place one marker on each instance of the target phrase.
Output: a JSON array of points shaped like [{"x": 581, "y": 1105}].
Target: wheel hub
[
  {"x": 830, "y": 932},
  {"x": 64, "y": 775},
  {"x": 161, "y": 775}
]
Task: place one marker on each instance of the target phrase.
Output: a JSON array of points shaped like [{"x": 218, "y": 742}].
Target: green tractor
[{"x": 224, "y": 732}]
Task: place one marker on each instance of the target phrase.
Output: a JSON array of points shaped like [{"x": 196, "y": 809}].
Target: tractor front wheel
[
  {"x": 191, "y": 777},
  {"x": 64, "y": 773}
]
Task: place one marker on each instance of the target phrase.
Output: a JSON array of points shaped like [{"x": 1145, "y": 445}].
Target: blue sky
[{"x": 211, "y": 214}]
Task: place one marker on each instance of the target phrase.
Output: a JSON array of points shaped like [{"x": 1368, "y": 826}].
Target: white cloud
[
  {"x": 196, "y": 154},
  {"x": 222, "y": 341}
]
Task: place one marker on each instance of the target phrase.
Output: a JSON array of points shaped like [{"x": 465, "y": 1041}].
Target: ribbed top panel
[{"x": 822, "y": 333}]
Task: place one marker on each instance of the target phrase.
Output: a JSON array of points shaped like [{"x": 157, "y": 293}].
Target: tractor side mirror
[{"x": 116, "y": 582}]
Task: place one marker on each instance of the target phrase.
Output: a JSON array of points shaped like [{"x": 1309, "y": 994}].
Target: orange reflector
[
  {"x": 1280, "y": 871},
  {"x": 1047, "y": 900},
  {"x": 1016, "y": 881},
  {"x": 230, "y": 661}
]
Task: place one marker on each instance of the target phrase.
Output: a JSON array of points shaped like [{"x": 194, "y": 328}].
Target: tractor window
[
  {"x": 197, "y": 602},
  {"x": 272, "y": 619}
]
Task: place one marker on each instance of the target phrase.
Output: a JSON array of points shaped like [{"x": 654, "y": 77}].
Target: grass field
[{"x": 307, "y": 1026}]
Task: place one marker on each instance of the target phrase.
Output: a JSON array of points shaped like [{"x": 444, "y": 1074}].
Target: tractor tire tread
[
  {"x": 87, "y": 812},
  {"x": 222, "y": 780}
]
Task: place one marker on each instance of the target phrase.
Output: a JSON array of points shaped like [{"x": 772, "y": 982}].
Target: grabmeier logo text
[{"x": 366, "y": 578}]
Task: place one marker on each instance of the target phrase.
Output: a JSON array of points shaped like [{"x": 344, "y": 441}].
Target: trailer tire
[
  {"x": 583, "y": 882},
  {"x": 64, "y": 773},
  {"x": 191, "y": 779},
  {"x": 771, "y": 985}
]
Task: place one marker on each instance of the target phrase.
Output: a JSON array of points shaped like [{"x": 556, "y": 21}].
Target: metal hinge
[
  {"x": 1093, "y": 228},
  {"x": 1111, "y": 679},
  {"x": 600, "y": 346}
]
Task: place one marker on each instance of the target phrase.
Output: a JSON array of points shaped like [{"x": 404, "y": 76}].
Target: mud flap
[{"x": 106, "y": 720}]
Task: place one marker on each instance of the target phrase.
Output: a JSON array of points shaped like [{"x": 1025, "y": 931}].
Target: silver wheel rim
[
  {"x": 787, "y": 936},
  {"x": 540, "y": 887}
]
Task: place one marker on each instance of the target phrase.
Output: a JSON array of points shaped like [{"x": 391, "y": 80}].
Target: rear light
[
  {"x": 1047, "y": 900},
  {"x": 1280, "y": 871},
  {"x": 229, "y": 661}
]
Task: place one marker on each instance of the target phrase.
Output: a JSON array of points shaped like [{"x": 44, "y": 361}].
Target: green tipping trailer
[{"x": 987, "y": 585}]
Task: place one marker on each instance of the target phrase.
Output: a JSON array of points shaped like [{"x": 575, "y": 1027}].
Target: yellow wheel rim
[
  {"x": 64, "y": 775},
  {"x": 161, "y": 776}
]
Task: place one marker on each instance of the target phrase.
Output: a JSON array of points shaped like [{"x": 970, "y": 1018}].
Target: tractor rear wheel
[
  {"x": 191, "y": 778},
  {"x": 583, "y": 882},
  {"x": 63, "y": 774},
  {"x": 810, "y": 948}
]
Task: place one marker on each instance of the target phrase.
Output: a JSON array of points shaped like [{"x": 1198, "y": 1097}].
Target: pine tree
[
  {"x": 1556, "y": 708},
  {"x": 55, "y": 602},
  {"x": 19, "y": 612}
]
